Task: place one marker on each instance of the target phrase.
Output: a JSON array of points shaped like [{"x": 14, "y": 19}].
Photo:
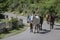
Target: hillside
[{"x": 28, "y": 6}]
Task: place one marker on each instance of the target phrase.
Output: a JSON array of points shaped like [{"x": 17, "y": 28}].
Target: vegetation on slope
[{"x": 28, "y": 6}]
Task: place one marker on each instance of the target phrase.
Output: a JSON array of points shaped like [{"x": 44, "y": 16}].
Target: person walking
[
  {"x": 31, "y": 24},
  {"x": 52, "y": 20},
  {"x": 31, "y": 27},
  {"x": 41, "y": 22},
  {"x": 28, "y": 18}
]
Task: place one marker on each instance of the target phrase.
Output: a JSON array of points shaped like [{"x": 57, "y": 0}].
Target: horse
[
  {"x": 51, "y": 21},
  {"x": 47, "y": 18},
  {"x": 36, "y": 23}
]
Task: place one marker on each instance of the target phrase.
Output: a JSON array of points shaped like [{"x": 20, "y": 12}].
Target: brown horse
[
  {"x": 47, "y": 18},
  {"x": 50, "y": 20}
]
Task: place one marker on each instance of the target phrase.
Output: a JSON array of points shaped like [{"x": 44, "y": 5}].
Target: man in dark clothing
[
  {"x": 52, "y": 19},
  {"x": 31, "y": 27},
  {"x": 41, "y": 21},
  {"x": 28, "y": 18}
]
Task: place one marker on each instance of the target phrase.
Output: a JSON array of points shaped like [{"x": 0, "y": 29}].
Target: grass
[
  {"x": 13, "y": 32},
  {"x": 58, "y": 21}
]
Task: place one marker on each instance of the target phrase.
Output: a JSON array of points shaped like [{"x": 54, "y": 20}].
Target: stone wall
[
  {"x": 2, "y": 26},
  {"x": 9, "y": 25},
  {"x": 20, "y": 22}
]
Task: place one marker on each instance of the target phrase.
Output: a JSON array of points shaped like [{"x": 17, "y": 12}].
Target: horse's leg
[
  {"x": 41, "y": 26},
  {"x": 47, "y": 20},
  {"x": 31, "y": 27},
  {"x": 52, "y": 25},
  {"x": 35, "y": 29},
  {"x": 38, "y": 28}
]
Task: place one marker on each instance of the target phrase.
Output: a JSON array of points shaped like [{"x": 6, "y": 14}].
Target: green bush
[{"x": 14, "y": 22}]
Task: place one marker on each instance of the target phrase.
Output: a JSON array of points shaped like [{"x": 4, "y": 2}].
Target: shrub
[{"x": 14, "y": 23}]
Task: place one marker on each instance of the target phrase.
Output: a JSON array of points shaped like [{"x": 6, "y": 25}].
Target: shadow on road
[{"x": 44, "y": 31}]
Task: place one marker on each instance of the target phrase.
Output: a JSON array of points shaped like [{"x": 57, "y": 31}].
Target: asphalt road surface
[{"x": 46, "y": 34}]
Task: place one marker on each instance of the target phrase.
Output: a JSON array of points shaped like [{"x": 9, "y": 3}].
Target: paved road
[{"x": 54, "y": 34}]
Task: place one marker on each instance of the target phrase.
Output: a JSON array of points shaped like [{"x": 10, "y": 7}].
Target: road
[{"x": 46, "y": 34}]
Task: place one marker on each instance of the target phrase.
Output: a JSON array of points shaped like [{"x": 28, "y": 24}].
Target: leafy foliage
[
  {"x": 28, "y": 6},
  {"x": 14, "y": 22}
]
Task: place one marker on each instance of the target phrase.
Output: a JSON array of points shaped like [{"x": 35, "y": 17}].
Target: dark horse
[
  {"x": 41, "y": 21},
  {"x": 51, "y": 21}
]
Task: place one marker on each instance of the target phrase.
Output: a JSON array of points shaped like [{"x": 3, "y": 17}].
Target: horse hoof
[
  {"x": 37, "y": 32},
  {"x": 34, "y": 32}
]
